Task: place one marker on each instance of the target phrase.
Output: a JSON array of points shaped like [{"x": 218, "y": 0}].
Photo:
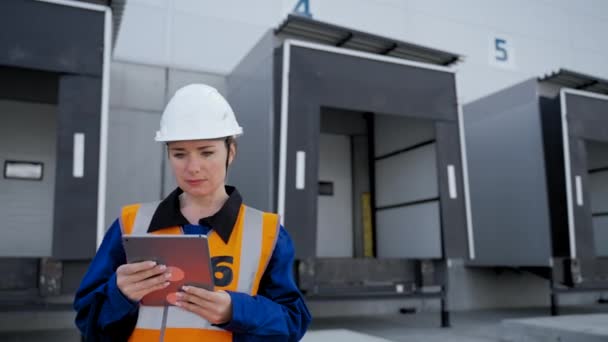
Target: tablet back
[{"x": 187, "y": 256}]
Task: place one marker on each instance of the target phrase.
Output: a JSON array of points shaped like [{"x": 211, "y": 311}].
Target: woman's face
[{"x": 199, "y": 166}]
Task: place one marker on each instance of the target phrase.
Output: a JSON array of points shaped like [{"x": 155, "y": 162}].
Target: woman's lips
[{"x": 195, "y": 182}]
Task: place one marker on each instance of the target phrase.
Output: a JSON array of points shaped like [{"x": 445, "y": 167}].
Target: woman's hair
[{"x": 231, "y": 140}]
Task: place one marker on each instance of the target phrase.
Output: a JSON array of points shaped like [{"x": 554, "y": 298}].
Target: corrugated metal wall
[{"x": 27, "y": 133}]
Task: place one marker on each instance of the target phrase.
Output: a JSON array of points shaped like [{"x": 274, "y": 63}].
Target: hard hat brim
[{"x": 160, "y": 138}]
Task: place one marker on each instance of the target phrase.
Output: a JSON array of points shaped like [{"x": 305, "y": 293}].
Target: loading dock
[
  {"x": 538, "y": 155},
  {"x": 358, "y": 148},
  {"x": 54, "y": 99}
]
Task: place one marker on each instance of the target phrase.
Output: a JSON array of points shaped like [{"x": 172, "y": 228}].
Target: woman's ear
[{"x": 231, "y": 152}]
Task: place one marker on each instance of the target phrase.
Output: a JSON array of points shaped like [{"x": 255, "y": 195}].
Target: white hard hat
[{"x": 197, "y": 112}]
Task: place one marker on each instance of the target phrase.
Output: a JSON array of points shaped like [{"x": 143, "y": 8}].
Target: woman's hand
[
  {"x": 138, "y": 279},
  {"x": 214, "y": 306}
]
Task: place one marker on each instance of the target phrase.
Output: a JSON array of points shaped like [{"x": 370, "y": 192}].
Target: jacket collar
[{"x": 168, "y": 214}]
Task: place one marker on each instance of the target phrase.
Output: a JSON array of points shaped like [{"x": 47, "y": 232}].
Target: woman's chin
[{"x": 197, "y": 190}]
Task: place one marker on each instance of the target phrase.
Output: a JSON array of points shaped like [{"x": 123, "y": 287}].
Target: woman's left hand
[{"x": 214, "y": 306}]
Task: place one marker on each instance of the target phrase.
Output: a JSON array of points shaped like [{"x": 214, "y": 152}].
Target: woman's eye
[
  {"x": 207, "y": 154},
  {"x": 178, "y": 155}
]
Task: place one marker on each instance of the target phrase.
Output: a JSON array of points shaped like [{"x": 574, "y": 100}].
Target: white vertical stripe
[
  {"x": 452, "y": 182},
  {"x": 567, "y": 167},
  {"x": 78, "y": 156},
  {"x": 579, "y": 190},
  {"x": 300, "y": 170},
  {"x": 103, "y": 129},
  {"x": 465, "y": 178},
  {"x": 283, "y": 132}
]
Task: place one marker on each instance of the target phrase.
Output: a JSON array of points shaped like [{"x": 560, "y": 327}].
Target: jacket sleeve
[
  {"x": 102, "y": 311},
  {"x": 278, "y": 312}
]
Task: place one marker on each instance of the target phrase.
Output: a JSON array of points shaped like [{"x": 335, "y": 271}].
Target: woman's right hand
[{"x": 138, "y": 279}]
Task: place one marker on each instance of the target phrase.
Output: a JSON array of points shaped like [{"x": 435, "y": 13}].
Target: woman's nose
[{"x": 194, "y": 165}]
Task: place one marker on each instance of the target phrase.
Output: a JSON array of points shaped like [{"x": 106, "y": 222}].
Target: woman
[{"x": 255, "y": 298}]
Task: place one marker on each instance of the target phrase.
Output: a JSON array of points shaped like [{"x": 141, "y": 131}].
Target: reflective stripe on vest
[
  {"x": 150, "y": 317},
  {"x": 144, "y": 217},
  {"x": 256, "y": 233}
]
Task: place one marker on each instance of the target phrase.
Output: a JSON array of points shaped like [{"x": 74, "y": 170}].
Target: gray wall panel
[
  {"x": 407, "y": 177},
  {"x": 597, "y": 155},
  {"x": 587, "y": 117},
  {"x": 179, "y": 78},
  {"x": 50, "y": 37},
  {"x": 585, "y": 108},
  {"x": 27, "y": 133},
  {"x": 250, "y": 93},
  {"x": 598, "y": 190},
  {"x": 255, "y": 61},
  {"x": 138, "y": 87},
  {"x": 339, "y": 121},
  {"x": 583, "y": 225},
  {"x": 75, "y": 215},
  {"x": 592, "y": 130},
  {"x": 453, "y": 210},
  {"x": 496, "y": 103},
  {"x": 409, "y": 232},
  {"x": 507, "y": 181},
  {"x": 303, "y": 135},
  {"x": 555, "y": 173},
  {"x": 388, "y": 88},
  {"x": 600, "y": 230},
  {"x": 396, "y": 132},
  {"x": 134, "y": 160}
]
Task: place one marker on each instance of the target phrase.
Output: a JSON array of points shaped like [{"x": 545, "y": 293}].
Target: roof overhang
[{"x": 300, "y": 27}]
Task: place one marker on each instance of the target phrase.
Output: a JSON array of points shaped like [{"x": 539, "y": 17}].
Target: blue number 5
[{"x": 501, "y": 51}]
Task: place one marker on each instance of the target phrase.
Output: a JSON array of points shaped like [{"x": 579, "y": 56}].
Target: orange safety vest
[{"x": 250, "y": 247}]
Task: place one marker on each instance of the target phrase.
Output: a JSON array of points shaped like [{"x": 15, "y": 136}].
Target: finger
[
  {"x": 135, "y": 267},
  {"x": 157, "y": 287},
  {"x": 193, "y": 299},
  {"x": 134, "y": 278},
  {"x": 199, "y": 292},
  {"x": 139, "y": 276},
  {"x": 150, "y": 282}
]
